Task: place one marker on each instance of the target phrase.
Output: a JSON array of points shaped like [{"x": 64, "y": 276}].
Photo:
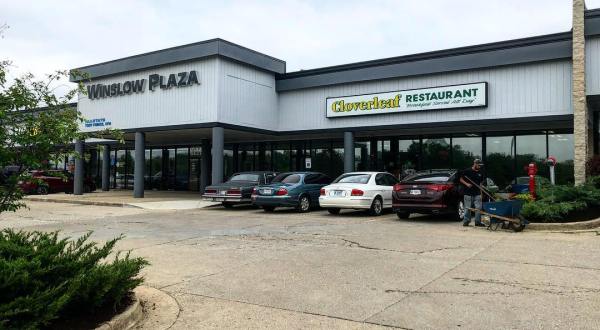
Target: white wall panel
[
  {"x": 592, "y": 66},
  {"x": 161, "y": 107},
  {"x": 514, "y": 91},
  {"x": 247, "y": 96}
]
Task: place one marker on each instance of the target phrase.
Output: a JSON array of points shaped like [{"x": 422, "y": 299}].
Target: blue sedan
[{"x": 300, "y": 190}]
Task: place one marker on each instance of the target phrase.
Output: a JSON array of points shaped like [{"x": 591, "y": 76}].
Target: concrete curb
[
  {"x": 581, "y": 225},
  {"x": 131, "y": 317},
  {"x": 53, "y": 200}
]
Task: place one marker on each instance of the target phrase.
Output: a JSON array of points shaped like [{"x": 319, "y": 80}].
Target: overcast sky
[{"x": 49, "y": 35}]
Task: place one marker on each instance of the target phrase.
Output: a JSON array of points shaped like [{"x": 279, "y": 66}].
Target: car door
[
  {"x": 53, "y": 180},
  {"x": 388, "y": 181},
  {"x": 311, "y": 186},
  {"x": 381, "y": 188}
]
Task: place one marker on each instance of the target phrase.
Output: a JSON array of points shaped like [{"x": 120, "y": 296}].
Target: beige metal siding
[
  {"x": 247, "y": 96},
  {"x": 513, "y": 91}
]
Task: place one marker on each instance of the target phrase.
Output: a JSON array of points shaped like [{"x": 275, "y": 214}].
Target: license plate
[
  {"x": 223, "y": 192},
  {"x": 267, "y": 191},
  {"x": 338, "y": 193},
  {"x": 218, "y": 199},
  {"x": 415, "y": 192}
]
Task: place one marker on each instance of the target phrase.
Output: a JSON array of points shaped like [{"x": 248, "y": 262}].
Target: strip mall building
[{"x": 194, "y": 114}]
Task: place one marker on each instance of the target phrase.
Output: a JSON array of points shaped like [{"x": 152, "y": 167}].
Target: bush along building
[{"x": 194, "y": 114}]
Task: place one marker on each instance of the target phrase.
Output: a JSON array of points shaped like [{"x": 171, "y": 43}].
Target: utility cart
[{"x": 503, "y": 214}]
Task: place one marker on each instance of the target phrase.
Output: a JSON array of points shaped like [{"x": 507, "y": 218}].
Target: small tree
[{"x": 37, "y": 126}]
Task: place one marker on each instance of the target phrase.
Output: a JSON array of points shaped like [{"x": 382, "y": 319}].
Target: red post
[{"x": 532, "y": 171}]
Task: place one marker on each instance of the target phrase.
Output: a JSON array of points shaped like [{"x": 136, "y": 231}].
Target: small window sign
[{"x": 308, "y": 163}]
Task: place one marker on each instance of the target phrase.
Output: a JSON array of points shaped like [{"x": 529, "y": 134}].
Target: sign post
[{"x": 551, "y": 161}]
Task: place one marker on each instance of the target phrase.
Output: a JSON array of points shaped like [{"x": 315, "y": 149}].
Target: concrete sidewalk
[{"x": 153, "y": 200}]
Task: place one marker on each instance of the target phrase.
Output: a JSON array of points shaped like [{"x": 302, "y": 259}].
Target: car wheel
[
  {"x": 460, "y": 211},
  {"x": 403, "y": 214},
  {"x": 227, "y": 205},
  {"x": 333, "y": 211},
  {"x": 269, "y": 208},
  {"x": 376, "y": 207},
  {"x": 303, "y": 204},
  {"x": 42, "y": 190}
]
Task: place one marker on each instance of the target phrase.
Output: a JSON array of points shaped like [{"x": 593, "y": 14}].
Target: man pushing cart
[
  {"x": 505, "y": 213},
  {"x": 471, "y": 179}
]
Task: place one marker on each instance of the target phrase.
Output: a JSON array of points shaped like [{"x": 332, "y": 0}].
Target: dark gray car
[{"x": 238, "y": 189}]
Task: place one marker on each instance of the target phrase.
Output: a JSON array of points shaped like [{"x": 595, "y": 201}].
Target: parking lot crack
[
  {"x": 538, "y": 287},
  {"x": 440, "y": 249},
  {"x": 361, "y": 246}
]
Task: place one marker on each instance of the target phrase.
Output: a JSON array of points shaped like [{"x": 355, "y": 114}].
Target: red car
[
  {"x": 53, "y": 181},
  {"x": 430, "y": 192}
]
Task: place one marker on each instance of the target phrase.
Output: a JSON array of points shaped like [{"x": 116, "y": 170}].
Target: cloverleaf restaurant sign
[
  {"x": 181, "y": 79},
  {"x": 434, "y": 98}
]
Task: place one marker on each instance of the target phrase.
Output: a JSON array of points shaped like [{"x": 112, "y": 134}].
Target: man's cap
[{"x": 477, "y": 161}]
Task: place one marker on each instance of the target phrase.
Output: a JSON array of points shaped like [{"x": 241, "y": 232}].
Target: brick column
[{"x": 580, "y": 111}]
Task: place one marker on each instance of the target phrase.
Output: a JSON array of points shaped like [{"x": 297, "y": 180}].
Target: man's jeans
[{"x": 474, "y": 202}]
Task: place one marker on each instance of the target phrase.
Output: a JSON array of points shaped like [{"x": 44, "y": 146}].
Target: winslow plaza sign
[
  {"x": 182, "y": 79},
  {"x": 434, "y": 98}
]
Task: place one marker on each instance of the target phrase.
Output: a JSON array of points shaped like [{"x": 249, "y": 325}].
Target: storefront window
[
  {"x": 298, "y": 153},
  {"x": 321, "y": 157},
  {"x": 407, "y": 158},
  {"x": 182, "y": 179},
  {"x": 156, "y": 177},
  {"x": 561, "y": 147},
  {"x": 531, "y": 149},
  {"x": 499, "y": 160},
  {"x": 195, "y": 158},
  {"x": 246, "y": 157},
  {"x": 227, "y": 162},
  {"x": 113, "y": 169},
  {"x": 147, "y": 168},
  {"x": 96, "y": 167},
  {"x": 362, "y": 154},
  {"x": 129, "y": 154},
  {"x": 267, "y": 164},
  {"x": 385, "y": 162},
  {"x": 465, "y": 150},
  {"x": 337, "y": 159},
  {"x": 120, "y": 169},
  {"x": 436, "y": 153},
  {"x": 281, "y": 157},
  {"x": 170, "y": 168}
]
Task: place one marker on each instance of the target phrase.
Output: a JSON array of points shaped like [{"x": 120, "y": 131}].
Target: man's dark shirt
[{"x": 474, "y": 176}]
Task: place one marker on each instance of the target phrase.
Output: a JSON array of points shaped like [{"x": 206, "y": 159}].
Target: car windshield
[
  {"x": 353, "y": 178},
  {"x": 245, "y": 177},
  {"x": 430, "y": 177},
  {"x": 287, "y": 178}
]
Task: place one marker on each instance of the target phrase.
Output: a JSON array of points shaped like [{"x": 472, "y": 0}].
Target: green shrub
[
  {"x": 558, "y": 203},
  {"x": 44, "y": 278},
  {"x": 594, "y": 181},
  {"x": 541, "y": 211}
]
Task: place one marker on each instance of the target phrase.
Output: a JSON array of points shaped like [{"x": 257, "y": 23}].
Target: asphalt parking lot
[{"x": 243, "y": 268}]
